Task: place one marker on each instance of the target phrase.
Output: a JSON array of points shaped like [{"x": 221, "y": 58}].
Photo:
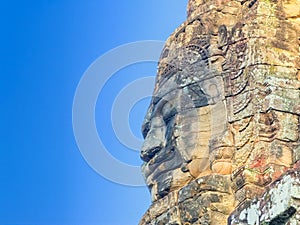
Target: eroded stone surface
[
  {"x": 223, "y": 124},
  {"x": 280, "y": 204}
]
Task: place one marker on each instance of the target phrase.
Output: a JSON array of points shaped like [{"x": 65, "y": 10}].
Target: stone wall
[{"x": 279, "y": 205}]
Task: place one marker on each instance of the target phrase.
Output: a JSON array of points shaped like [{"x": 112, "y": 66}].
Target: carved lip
[
  {"x": 165, "y": 155},
  {"x": 149, "y": 154}
]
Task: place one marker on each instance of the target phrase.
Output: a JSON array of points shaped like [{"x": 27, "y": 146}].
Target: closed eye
[
  {"x": 145, "y": 129},
  {"x": 169, "y": 116}
]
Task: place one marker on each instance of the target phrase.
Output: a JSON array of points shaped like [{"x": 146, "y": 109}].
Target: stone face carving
[{"x": 223, "y": 123}]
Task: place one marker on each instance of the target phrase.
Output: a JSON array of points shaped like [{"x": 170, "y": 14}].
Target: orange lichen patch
[
  {"x": 278, "y": 173},
  {"x": 297, "y": 165},
  {"x": 258, "y": 162},
  {"x": 263, "y": 177}
]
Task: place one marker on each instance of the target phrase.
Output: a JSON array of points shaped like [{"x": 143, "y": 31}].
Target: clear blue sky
[{"x": 45, "y": 48}]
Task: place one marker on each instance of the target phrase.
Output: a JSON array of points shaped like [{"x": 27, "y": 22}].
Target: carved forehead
[{"x": 177, "y": 97}]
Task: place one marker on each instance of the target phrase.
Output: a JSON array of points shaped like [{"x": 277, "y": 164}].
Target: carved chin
[{"x": 223, "y": 167}]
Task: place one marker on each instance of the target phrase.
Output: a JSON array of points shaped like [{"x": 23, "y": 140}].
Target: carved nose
[{"x": 153, "y": 143}]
